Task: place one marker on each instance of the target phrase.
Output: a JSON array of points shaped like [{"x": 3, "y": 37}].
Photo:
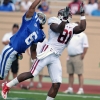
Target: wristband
[{"x": 82, "y": 18}]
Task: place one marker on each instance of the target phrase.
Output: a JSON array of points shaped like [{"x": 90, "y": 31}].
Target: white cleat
[
  {"x": 31, "y": 85},
  {"x": 39, "y": 85},
  {"x": 69, "y": 91},
  {"x": 81, "y": 91}
]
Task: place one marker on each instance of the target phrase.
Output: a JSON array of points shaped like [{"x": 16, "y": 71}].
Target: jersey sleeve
[
  {"x": 53, "y": 20},
  {"x": 74, "y": 25},
  {"x": 28, "y": 19}
]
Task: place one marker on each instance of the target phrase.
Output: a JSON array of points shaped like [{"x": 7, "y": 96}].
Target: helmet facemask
[{"x": 65, "y": 14}]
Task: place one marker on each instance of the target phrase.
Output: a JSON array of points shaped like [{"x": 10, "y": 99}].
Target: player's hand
[
  {"x": 82, "y": 10},
  {"x": 66, "y": 12}
]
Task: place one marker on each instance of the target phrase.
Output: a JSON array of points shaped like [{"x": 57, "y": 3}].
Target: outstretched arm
[
  {"x": 33, "y": 51},
  {"x": 31, "y": 10},
  {"x": 82, "y": 25},
  {"x": 58, "y": 28}
]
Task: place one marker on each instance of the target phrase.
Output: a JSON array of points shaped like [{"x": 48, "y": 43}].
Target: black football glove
[
  {"x": 66, "y": 12},
  {"x": 82, "y": 10}
]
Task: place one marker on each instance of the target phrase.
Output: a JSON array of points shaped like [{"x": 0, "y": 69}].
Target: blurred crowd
[
  {"x": 22, "y": 5},
  {"x": 92, "y": 7}
]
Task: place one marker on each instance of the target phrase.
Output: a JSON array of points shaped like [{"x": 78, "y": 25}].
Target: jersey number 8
[{"x": 65, "y": 36}]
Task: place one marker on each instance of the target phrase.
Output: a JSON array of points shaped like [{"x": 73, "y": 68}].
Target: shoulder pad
[{"x": 54, "y": 20}]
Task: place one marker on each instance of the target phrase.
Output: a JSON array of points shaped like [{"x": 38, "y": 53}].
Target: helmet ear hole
[{"x": 42, "y": 18}]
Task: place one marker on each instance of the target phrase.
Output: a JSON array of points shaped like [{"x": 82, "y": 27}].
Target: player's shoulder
[
  {"x": 70, "y": 26},
  {"x": 73, "y": 24},
  {"x": 54, "y": 20}
]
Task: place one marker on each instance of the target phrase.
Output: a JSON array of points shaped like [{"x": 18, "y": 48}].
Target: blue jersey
[{"x": 28, "y": 34}]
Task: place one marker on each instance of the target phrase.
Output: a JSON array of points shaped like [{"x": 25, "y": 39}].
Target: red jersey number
[{"x": 65, "y": 36}]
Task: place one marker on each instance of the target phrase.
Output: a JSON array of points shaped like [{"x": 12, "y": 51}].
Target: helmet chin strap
[{"x": 69, "y": 19}]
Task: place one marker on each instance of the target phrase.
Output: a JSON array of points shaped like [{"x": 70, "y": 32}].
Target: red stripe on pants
[{"x": 34, "y": 66}]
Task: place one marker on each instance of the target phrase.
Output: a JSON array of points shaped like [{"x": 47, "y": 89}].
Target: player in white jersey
[{"x": 60, "y": 32}]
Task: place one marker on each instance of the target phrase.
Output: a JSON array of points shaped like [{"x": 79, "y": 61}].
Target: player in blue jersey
[{"x": 29, "y": 34}]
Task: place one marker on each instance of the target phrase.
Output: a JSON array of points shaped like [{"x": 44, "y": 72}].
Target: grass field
[{"x": 40, "y": 95}]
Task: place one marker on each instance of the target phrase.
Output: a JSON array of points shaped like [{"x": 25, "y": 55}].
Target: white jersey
[
  {"x": 55, "y": 45},
  {"x": 59, "y": 41}
]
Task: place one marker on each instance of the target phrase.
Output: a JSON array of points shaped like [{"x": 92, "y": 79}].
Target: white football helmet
[{"x": 42, "y": 17}]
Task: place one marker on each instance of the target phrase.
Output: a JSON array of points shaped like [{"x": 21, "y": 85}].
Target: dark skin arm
[
  {"x": 81, "y": 27},
  {"x": 27, "y": 75},
  {"x": 78, "y": 29},
  {"x": 33, "y": 51},
  {"x": 58, "y": 28},
  {"x": 31, "y": 10}
]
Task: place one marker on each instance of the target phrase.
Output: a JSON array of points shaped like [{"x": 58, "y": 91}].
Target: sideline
[
  {"x": 64, "y": 95},
  {"x": 12, "y": 98}
]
